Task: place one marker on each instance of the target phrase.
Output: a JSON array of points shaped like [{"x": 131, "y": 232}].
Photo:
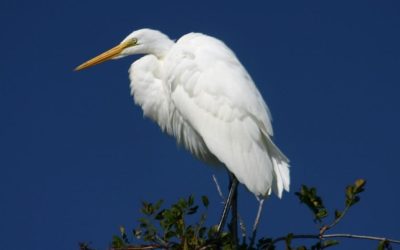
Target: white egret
[{"x": 197, "y": 90}]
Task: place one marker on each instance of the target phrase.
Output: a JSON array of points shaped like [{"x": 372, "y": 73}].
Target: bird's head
[{"x": 143, "y": 41}]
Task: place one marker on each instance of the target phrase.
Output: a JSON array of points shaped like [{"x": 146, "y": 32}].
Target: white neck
[{"x": 160, "y": 48}]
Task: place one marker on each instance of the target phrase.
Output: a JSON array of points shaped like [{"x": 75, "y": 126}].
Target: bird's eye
[{"x": 134, "y": 40}]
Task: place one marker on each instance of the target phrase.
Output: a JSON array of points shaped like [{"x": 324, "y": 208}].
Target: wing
[
  {"x": 215, "y": 95},
  {"x": 153, "y": 95},
  {"x": 149, "y": 91}
]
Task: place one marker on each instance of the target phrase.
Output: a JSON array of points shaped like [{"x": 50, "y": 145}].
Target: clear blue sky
[{"x": 77, "y": 157}]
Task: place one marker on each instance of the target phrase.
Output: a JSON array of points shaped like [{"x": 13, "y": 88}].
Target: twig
[
  {"x": 145, "y": 247},
  {"x": 218, "y": 188},
  {"x": 208, "y": 246},
  {"x": 355, "y": 236},
  {"x": 162, "y": 242},
  {"x": 327, "y": 236},
  {"x": 242, "y": 227},
  {"x": 336, "y": 221}
]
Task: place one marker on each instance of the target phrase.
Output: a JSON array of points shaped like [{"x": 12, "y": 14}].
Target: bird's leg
[
  {"x": 234, "y": 218},
  {"x": 257, "y": 220},
  {"x": 232, "y": 191}
]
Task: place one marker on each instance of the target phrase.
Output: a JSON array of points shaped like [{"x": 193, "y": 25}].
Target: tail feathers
[
  {"x": 280, "y": 162},
  {"x": 282, "y": 177}
]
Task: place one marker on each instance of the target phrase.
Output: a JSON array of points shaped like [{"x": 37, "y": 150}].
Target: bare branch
[
  {"x": 162, "y": 242},
  {"x": 365, "y": 237},
  {"x": 327, "y": 236},
  {"x": 242, "y": 227},
  {"x": 336, "y": 221},
  {"x": 218, "y": 188},
  {"x": 144, "y": 247}
]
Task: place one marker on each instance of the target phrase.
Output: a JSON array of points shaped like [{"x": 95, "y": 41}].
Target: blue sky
[{"x": 77, "y": 157}]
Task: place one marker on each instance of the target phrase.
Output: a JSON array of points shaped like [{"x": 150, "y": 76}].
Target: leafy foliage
[
  {"x": 169, "y": 228},
  {"x": 309, "y": 197},
  {"x": 384, "y": 245},
  {"x": 353, "y": 191},
  {"x": 84, "y": 246},
  {"x": 314, "y": 202}
]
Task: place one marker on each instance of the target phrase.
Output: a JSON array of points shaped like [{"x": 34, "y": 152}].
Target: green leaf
[
  {"x": 288, "y": 241},
  {"x": 212, "y": 231},
  {"x": 265, "y": 243},
  {"x": 322, "y": 212},
  {"x": 122, "y": 229},
  {"x": 202, "y": 219},
  {"x": 205, "y": 201},
  {"x": 160, "y": 215},
  {"x": 329, "y": 243},
  {"x": 202, "y": 232},
  {"x": 359, "y": 185},
  {"x": 190, "y": 201},
  {"x": 309, "y": 197},
  {"x": 352, "y": 192},
  {"x": 147, "y": 208},
  {"x": 117, "y": 242},
  {"x": 137, "y": 233},
  {"x": 338, "y": 214},
  {"x": 170, "y": 234},
  {"x": 182, "y": 204},
  {"x": 384, "y": 245},
  {"x": 144, "y": 222},
  {"x": 85, "y": 246},
  {"x": 123, "y": 234},
  {"x": 192, "y": 210},
  {"x": 158, "y": 204}
]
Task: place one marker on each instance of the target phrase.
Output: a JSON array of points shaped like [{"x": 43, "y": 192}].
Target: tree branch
[
  {"x": 218, "y": 188},
  {"x": 336, "y": 221},
  {"x": 327, "y": 236},
  {"x": 364, "y": 237},
  {"x": 145, "y": 247}
]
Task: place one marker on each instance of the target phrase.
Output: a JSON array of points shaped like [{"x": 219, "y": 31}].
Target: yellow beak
[{"x": 109, "y": 54}]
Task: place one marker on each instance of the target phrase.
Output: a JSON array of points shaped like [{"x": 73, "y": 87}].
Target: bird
[{"x": 197, "y": 90}]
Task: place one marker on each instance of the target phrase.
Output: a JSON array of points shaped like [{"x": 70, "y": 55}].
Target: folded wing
[{"x": 216, "y": 97}]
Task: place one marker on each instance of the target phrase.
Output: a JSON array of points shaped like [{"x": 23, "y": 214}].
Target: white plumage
[{"x": 198, "y": 91}]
